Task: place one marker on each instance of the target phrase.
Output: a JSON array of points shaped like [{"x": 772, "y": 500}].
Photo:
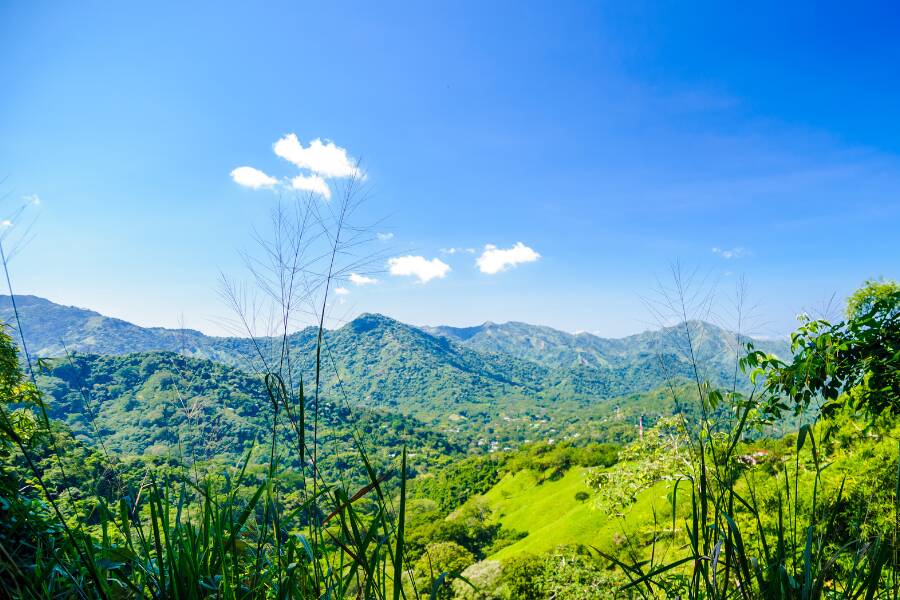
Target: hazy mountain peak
[
  {"x": 29, "y": 301},
  {"x": 369, "y": 321},
  {"x": 51, "y": 327}
]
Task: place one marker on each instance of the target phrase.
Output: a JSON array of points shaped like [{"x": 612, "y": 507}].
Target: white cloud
[
  {"x": 32, "y": 199},
  {"x": 319, "y": 161},
  {"x": 384, "y": 236},
  {"x": 494, "y": 260},
  {"x": 322, "y": 158},
  {"x": 341, "y": 291},
  {"x": 252, "y": 178},
  {"x": 732, "y": 253},
  {"x": 357, "y": 279},
  {"x": 6, "y": 223},
  {"x": 311, "y": 183},
  {"x": 418, "y": 266},
  {"x": 458, "y": 250}
]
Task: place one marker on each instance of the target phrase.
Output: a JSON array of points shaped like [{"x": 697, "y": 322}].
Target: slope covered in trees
[
  {"x": 165, "y": 404},
  {"x": 503, "y": 384},
  {"x": 102, "y": 491}
]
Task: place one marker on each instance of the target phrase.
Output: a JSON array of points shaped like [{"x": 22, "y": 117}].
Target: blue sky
[{"x": 609, "y": 138}]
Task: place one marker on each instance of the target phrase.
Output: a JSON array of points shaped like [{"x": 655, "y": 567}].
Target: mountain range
[
  {"x": 51, "y": 329},
  {"x": 712, "y": 345},
  {"x": 500, "y": 383}
]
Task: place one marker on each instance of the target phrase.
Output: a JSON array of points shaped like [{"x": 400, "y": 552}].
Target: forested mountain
[
  {"x": 494, "y": 383},
  {"x": 53, "y": 329},
  {"x": 712, "y": 345},
  {"x": 163, "y": 403}
]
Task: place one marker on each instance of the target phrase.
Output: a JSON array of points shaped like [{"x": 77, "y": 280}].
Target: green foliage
[
  {"x": 457, "y": 482},
  {"x": 75, "y": 522},
  {"x": 544, "y": 514},
  {"x": 439, "y": 564},
  {"x": 871, "y": 296},
  {"x": 27, "y": 525},
  {"x": 470, "y": 529},
  {"x": 165, "y": 475},
  {"x": 854, "y": 362},
  {"x": 18, "y": 399},
  {"x": 661, "y": 455},
  {"x": 553, "y": 460},
  {"x": 565, "y": 573},
  {"x": 812, "y": 516},
  {"x": 166, "y": 405},
  {"x": 522, "y": 384},
  {"x": 523, "y": 576}
]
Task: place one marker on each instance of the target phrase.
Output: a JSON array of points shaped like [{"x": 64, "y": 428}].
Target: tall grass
[
  {"x": 737, "y": 544},
  {"x": 190, "y": 532}
]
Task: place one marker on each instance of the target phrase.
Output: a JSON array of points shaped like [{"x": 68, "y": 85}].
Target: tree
[
  {"x": 853, "y": 363},
  {"x": 440, "y": 563},
  {"x": 523, "y": 575},
  {"x": 873, "y": 294}
]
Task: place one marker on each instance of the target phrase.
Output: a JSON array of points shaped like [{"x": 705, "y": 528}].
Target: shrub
[{"x": 440, "y": 563}]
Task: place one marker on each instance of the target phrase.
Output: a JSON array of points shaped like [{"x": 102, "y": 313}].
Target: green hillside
[
  {"x": 551, "y": 514},
  {"x": 701, "y": 494},
  {"x": 166, "y": 404},
  {"x": 53, "y": 329},
  {"x": 713, "y": 346},
  {"x": 519, "y": 389},
  {"x": 475, "y": 400}
]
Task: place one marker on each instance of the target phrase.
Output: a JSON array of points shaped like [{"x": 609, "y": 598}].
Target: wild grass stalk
[
  {"x": 192, "y": 534},
  {"x": 738, "y": 545}
]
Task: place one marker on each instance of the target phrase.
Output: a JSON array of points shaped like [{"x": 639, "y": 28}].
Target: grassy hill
[{"x": 551, "y": 515}]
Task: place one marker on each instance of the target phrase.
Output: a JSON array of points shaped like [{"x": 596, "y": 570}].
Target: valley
[
  {"x": 485, "y": 388},
  {"x": 526, "y": 461}
]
